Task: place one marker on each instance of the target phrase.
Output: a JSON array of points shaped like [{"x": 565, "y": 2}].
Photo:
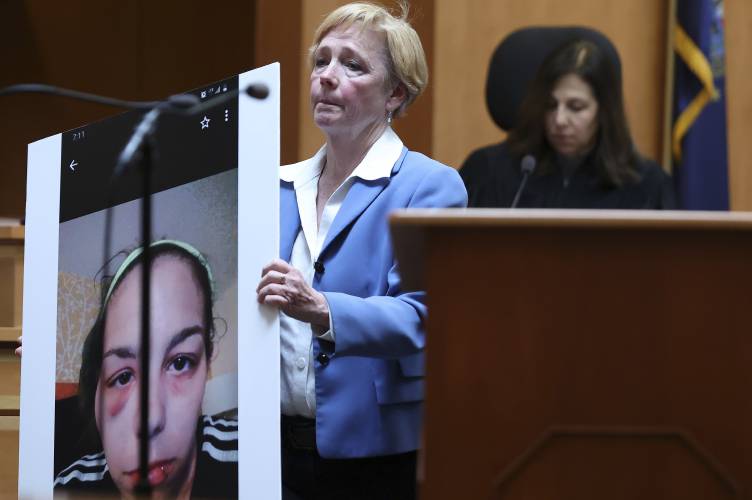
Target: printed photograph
[{"x": 192, "y": 386}]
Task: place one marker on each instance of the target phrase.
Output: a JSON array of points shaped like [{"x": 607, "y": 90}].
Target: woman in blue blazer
[{"x": 351, "y": 338}]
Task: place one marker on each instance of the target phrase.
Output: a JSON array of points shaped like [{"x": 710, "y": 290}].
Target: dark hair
[
  {"x": 613, "y": 157},
  {"x": 91, "y": 356}
]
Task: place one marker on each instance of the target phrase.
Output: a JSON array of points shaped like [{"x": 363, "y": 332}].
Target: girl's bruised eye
[
  {"x": 181, "y": 364},
  {"x": 120, "y": 379}
]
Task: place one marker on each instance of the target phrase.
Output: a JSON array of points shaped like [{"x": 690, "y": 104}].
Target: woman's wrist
[{"x": 321, "y": 316}]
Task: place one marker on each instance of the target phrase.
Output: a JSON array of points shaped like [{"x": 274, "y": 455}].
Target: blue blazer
[{"x": 369, "y": 382}]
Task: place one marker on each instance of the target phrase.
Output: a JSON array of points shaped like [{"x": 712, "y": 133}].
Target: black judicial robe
[{"x": 492, "y": 176}]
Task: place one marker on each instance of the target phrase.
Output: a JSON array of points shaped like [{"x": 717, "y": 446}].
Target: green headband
[{"x": 135, "y": 254}]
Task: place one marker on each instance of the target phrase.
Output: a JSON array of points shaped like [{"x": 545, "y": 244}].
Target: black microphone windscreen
[
  {"x": 183, "y": 101},
  {"x": 257, "y": 91}
]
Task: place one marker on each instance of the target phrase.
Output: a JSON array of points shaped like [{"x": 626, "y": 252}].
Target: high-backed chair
[{"x": 517, "y": 58}]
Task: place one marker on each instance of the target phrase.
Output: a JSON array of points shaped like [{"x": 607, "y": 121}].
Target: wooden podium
[{"x": 584, "y": 355}]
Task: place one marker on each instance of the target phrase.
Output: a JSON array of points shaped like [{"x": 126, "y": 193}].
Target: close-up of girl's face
[
  {"x": 571, "y": 119},
  {"x": 178, "y": 369}
]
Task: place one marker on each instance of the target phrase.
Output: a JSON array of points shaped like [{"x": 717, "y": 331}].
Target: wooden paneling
[
  {"x": 145, "y": 49},
  {"x": 80, "y": 44},
  {"x": 11, "y": 283},
  {"x": 278, "y": 38},
  {"x": 10, "y": 371},
  {"x": 137, "y": 50},
  {"x": 11, "y": 277},
  {"x": 468, "y": 32},
  {"x": 9, "y": 458},
  {"x": 739, "y": 118},
  {"x": 184, "y": 45},
  {"x": 415, "y": 129}
]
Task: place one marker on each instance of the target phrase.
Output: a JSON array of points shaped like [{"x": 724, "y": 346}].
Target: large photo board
[{"x": 215, "y": 224}]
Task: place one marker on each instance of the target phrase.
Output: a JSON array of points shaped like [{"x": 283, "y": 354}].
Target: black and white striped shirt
[{"x": 216, "y": 465}]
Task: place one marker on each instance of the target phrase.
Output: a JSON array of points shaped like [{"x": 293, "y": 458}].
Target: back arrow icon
[{"x": 73, "y": 164}]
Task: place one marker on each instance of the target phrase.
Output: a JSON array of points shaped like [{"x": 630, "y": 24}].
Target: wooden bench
[
  {"x": 11, "y": 296},
  {"x": 11, "y": 278},
  {"x": 9, "y": 421},
  {"x": 9, "y": 455}
]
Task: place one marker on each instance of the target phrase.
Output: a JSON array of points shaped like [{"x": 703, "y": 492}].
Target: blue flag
[{"x": 699, "y": 130}]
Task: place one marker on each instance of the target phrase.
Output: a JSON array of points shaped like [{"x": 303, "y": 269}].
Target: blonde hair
[{"x": 405, "y": 58}]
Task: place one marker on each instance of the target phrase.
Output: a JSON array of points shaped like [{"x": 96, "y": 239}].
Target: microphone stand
[
  {"x": 141, "y": 151},
  {"x": 146, "y": 215},
  {"x": 517, "y": 195},
  {"x": 527, "y": 167}
]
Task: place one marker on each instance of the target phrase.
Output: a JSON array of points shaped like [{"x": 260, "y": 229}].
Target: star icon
[{"x": 205, "y": 123}]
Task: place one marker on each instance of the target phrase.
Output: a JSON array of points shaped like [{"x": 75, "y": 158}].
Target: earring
[{"x": 389, "y": 117}]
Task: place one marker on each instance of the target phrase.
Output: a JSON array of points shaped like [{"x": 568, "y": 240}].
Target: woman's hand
[
  {"x": 284, "y": 287},
  {"x": 18, "y": 349}
]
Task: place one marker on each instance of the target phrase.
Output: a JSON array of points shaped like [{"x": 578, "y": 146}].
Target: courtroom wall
[
  {"x": 739, "y": 93},
  {"x": 147, "y": 50},
  {"x": 470, "y": 31},
  {"x": 137, "y": 49}
]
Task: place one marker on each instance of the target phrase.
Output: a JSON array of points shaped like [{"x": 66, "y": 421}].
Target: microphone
[
  {"x": 183, "y": 101},
  {"x": 133, "y": 148},
  {"x": 257, "y": 91},
  {"x": 527, "y": 167}
]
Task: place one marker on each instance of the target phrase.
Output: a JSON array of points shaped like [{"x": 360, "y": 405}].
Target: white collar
[{"x": 376, "y": 164}]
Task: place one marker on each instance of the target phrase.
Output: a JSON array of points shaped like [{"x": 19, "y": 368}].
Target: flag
[{"x": 699, "y": 146}]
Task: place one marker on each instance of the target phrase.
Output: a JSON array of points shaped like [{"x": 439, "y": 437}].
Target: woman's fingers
[
  {"x": 276, "y": 265},
  {"x": 273, "y": 289},
  {"x": 274, "y": 272},
  {"x": 277, "y": 301},
  {"x": 271, "y": 277}
]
